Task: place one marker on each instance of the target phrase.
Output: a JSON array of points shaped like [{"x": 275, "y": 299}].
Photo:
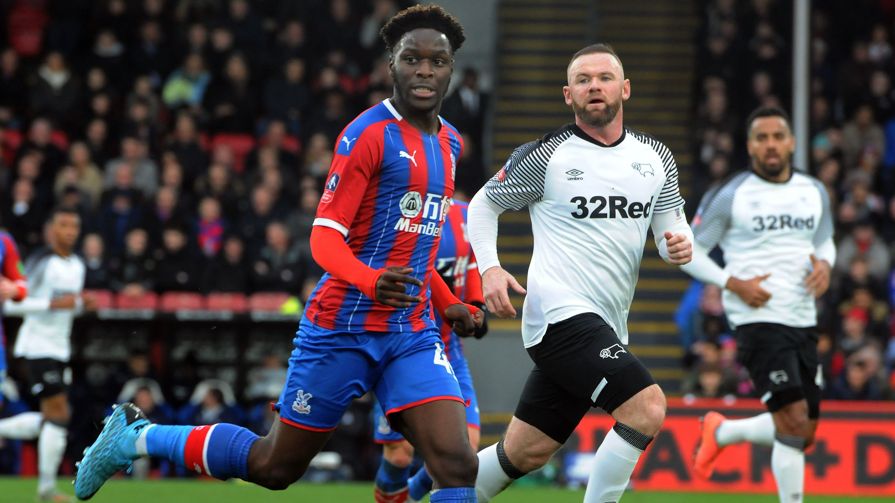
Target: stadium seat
[
  {"x": 268, "y": 302},
  {"x": 104, "y": 298},
  {"x": 147, "y": 301},
  {"x": 176, "y": 301},
  {"x": 10, "y": 140},
  {"x": 291, "y": 145},
  {"x": 232, "y": 302},
  {"x": 60, "y": 139},
  {"x": 241, "y": 144}
]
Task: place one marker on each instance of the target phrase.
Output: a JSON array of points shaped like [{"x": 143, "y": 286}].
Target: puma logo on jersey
[
  {"x": 612, "y": 351},
  {"x": 609, "y": 207},
  {"x": 405, "y": 155},
  {"x": 347, "y": 142},
  {"x": 644, "y": 169}
]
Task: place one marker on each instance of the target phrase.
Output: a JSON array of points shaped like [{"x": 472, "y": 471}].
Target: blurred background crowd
[
  {"x": 744, "y": 62},
  {"x": 194, "y": 135}
]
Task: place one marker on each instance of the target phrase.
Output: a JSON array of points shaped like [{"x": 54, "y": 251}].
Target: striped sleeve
[
  {"x": 713, "y": 215},
  {"x": 670, "y": 196},
  {"x": 520, "y": 181}
]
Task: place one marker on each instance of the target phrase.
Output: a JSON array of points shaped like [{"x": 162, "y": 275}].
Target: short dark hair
[
  {"x": 63, "y": 210},
  {"x": 422, "y": 16},
  {"x": 767, "y": 111},
  {"x": 598, "y": 48}
]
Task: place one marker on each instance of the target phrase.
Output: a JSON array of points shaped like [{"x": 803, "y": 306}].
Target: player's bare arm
[
  {"x": 818, "y": 280},
  {"x": 496, "y": 283}
]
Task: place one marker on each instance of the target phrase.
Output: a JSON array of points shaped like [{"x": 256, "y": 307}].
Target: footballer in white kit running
[
  {"x": 55, "y": 282},
  {"x": 775, "y": 230},
  {"x": 594, "y": 189}
]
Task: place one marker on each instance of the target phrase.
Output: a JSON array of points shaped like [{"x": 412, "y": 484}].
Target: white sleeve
[
  {"x": 703, "y": 268},
  {"x": 482, "y": 227},
  {"x": 826, "y": 251},
  {"x": 670, "y": 221},
  {"x": 27, "y": 305}
]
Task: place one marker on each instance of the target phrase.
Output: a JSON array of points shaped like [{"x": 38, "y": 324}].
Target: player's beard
[
  {"x": 772, "y": 170},
  {"x": 597, "y": 118}
]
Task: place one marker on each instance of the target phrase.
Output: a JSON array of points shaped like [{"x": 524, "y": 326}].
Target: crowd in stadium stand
[
  {"x": 745, "y": 62},
  {"x": 193, "y": 136}
]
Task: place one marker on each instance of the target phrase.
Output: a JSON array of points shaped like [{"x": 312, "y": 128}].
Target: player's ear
[
  {"x": 567, "y": 94},
  {"x": 626, "y": 90}
]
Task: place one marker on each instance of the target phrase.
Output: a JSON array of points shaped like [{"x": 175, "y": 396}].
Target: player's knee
[
  {"x": 793, "y": 421},
  {"x": 399, "y": 454},
  {"x": 533, "y": 457},
  {"x": 455, "y": 468},
  {"x": 645, "y": 412}
]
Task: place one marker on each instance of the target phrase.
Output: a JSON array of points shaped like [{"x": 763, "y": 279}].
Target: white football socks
[
  {"x": 50, "y": 448},
  {"x": 613, "y": 464},
  {"x": 491, "y": 479},
  {"x": 756, "y": 429},
  {"x": 788, "y": 466},
  {"x": 24, "y": 426}
]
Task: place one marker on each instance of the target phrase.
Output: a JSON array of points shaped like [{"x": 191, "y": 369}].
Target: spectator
[
  {"x": 109, "y": 53},
  {"x": 99, "y": 141},
  {"x": 287, "y": 97},
  {"x": 40, "y": 139},
  {"x": 178, "y": 269},
  {"x": 860, "y": 135},
  {"x": 13, "y": 89},
  {"x": 229, "y": 271},
  {"x": 466, "y": 107},
  {"x": 219, "y": 183},
  {"x": 133, "y": 272},
  {"x": 279, "y": 266},
  {"x": 164, "y": 212},
  {"x": 82, "y": 173},
  {"x": 22, "y": 217},
  {"x": 318, "y": 155},
  {"x": 291, "y": 44},
  {"x": 144, "y": 170},
  {"x": 56, "y": 92},
  {"x": 231, "y": 100},
  {"x": 273, "y": 142},
  {"x": 860, "y": 379},
  {"x": 210, "y": 228},
  {"x": 97, "y": 276},
  {"x": 212, "y": 402},
  {"x": 152, "y": 55},
  {"x": 185, "y": 144},
  {"x": 863, "y": 241},
  {"x": 120, "y": 210},
  {"x": 186, "y": 86}
]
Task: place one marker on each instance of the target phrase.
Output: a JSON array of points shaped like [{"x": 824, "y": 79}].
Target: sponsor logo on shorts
[
  {"x": 300, "y": 404},
  {"x": 612, "y": 351},
  {"x": 778, "y": 376}
]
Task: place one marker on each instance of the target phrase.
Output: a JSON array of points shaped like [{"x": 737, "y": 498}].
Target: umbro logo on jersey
[
  {"x": 644, "y": 168},
  {"x": 575, "y": 174},
  {"x": 405, "y": 155},
  {"x": 347, "y": 142}
]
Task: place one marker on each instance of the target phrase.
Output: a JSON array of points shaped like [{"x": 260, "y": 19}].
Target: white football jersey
[
  {"x": 46, "y": 333},
  {"x": 766, "y": 227},
  {"x": 591, "y": 206}
]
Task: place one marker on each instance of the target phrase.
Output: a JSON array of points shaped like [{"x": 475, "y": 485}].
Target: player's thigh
[
  {"x": 417, "y": 372},
  {"x": 771, "y": 354},
  {"x": 47, "y": 377},
  {"x": 545, "y": 417},
  {"x": 327, "y": 371},
  {"x": 583, "y": 355}
]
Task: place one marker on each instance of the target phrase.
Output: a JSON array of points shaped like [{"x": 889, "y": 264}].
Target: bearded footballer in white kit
[
  {"x": 593, "y": 189},
  {"x": 776, "y": 231}
]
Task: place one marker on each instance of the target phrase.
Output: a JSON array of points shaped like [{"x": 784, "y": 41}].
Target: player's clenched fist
[
  {"x": 680, "y": 249},
  {"x": 464, "y": 318},
  {"x": 391, "y": 287},
  {"x": 495, "y": 285}
]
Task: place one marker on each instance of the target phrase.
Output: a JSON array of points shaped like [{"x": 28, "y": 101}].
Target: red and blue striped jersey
[
  {"x": 10, "y": 268},
  {"x": 388, "y": 192},
  {"x": 455, "y": 261}
]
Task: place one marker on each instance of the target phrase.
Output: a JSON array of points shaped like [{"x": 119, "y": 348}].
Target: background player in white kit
[
  {"x": 55, "y": 281},
  {"x": 593, "y": 188},
  {"x": 775, "y": 229}
]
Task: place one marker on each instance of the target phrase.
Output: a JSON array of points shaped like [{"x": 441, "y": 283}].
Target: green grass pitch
[{"x": 15, "y": 490}]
